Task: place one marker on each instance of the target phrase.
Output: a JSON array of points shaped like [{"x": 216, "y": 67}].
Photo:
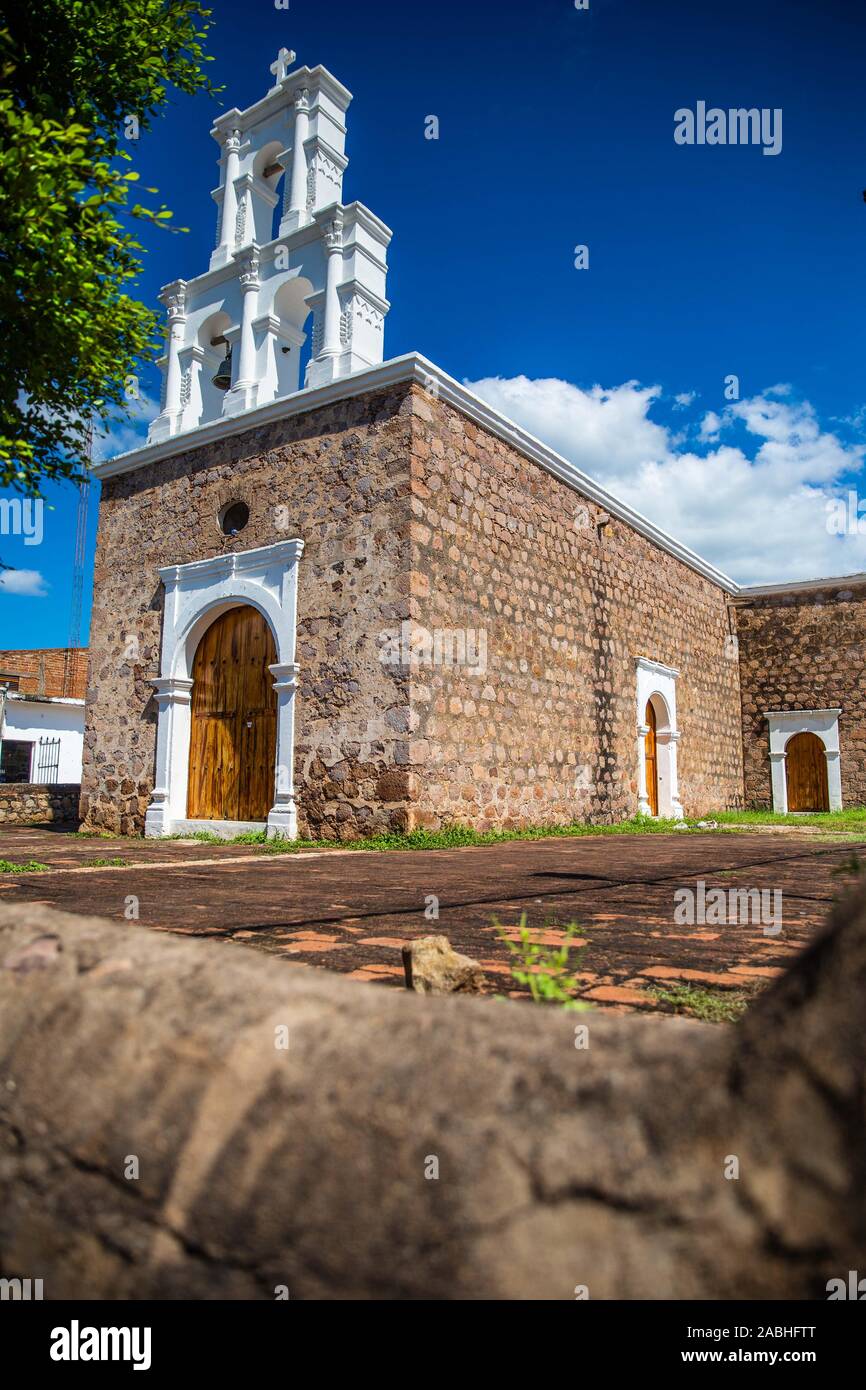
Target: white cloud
[
  {"x": 684, "y": 399},
  {"x": 758, "y": 509},
  {"x": 710, "y": 426},
  {"x": 24, "y": 583}
]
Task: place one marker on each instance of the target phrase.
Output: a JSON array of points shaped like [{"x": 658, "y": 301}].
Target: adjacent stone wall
[
  {"x": 566, "y": 599},
  {"x": 31, "y": 803},
  {"x": 804, "y": 649},
  {"x": 338, "y": 478}
]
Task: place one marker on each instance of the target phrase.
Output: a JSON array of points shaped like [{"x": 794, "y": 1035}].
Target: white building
[
  {"x": 286, "y": 247},
  {"x": 41, "y": 738}
]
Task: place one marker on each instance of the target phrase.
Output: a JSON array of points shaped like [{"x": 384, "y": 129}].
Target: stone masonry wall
[
  {"x": 411, "y": 513},
  {"x": 567, "y": 599},
  {"x": 29, "y": 803},
  {"x": 804, "y": 650},
  {"x": 338, "y": 478}
]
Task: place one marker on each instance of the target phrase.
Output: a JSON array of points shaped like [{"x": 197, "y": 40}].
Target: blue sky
[{"x": 556, "y": 130}]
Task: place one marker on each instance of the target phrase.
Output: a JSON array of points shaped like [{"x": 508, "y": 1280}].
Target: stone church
[{"x": 336, "y": 594}]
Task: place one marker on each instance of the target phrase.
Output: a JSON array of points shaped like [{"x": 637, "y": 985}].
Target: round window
[{"x": 234, "y": 518}]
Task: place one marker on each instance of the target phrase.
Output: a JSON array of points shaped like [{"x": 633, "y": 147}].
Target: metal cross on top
[{"x": 282, "y": 66}]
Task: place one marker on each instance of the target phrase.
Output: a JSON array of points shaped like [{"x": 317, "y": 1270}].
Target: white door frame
[
  {"x": 784, "y": 724},
  {"x": 195, "y": 596},
  {"x": 658, "y": 683}
]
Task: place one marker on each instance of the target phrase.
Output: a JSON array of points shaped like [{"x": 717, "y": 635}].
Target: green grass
[
  {"x": 107, "y": 864},
  {"x": 710, "y": 1006},
  {"x": 32, "y": 867},
  {"x": 826, "y": 820},
  {"x": 461, "y": 836}
]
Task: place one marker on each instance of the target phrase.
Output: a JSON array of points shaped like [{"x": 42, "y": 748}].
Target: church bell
[{"x": 223, "y": 378}]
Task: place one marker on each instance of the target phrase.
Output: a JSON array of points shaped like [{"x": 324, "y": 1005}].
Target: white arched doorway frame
[
  {"x": 657, "y": 683},
  {"x": 195, "y": 596},
  {"x": 784, "y": 724}
]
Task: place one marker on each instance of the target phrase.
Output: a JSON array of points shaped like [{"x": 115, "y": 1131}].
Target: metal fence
[{"x": 48, "y": 761}]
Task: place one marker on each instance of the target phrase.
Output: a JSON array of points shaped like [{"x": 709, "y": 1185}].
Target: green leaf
[{"x": 69, "y": 255}]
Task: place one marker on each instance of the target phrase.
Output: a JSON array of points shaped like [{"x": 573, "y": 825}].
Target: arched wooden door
[
  {"x": 233, "y": 739},
  {"x": 806, "y": 773},
  {"x": 652, "y": 762}
]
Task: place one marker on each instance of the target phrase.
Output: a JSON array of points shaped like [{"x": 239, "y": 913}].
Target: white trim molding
[
  {"x": 784, "y": 724},
  {"x": 195, "y": 596},
  {"x": 658, "y": 683}
]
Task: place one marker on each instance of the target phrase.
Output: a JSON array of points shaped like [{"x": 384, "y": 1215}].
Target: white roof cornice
[
  {"x": 799, "y": 586},
  {"x": 413, "y": 367},
  {"x": 251, "y": 115}
]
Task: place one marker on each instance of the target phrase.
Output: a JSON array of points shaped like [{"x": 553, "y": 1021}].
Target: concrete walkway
[{"x": 351, "y": 912}]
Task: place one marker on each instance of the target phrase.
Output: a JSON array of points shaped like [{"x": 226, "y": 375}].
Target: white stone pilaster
[
  {"x": 779, "y": 781},
  {"x": 229, "y": 204},
  {"x": 296, "y": 213},
  {"x": 834, "y": 777},
  {"x": 643, "y": 802},
  {"x": 167, "y": 422},
  {"x": 168, "y": 800},
  {"x": 283, "y": 817},
  {"x": 192, "y": 361},
  {"x": 325, "y": 364},
  {"x": 242, "y": 395},
  {"x": 332, "y": 344},
  {"x": 667, "y": 762}
]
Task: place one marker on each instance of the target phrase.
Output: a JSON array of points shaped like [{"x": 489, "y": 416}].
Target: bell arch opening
[
  {"x": 267, "y": 186},
  {"x": 292, "y": 342},
  {"x": 215, "y": 351}
]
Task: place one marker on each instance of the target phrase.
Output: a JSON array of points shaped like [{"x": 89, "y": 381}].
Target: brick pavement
[{"x": 351, "y": 912}]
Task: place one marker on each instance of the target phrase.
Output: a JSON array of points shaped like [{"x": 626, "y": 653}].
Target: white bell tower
[{"x": 288, "y": 250}]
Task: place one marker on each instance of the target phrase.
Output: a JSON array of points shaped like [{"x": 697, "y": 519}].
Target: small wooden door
[
  {"x": 233, "y": 739},
  {"x": 652, "y": 763},
  {"x": 806, "y": 772}
]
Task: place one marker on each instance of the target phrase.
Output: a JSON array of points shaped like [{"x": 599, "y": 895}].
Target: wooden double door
[
  {"x": 233, "y": 738},
  {"x": 806, "y": 773}
]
